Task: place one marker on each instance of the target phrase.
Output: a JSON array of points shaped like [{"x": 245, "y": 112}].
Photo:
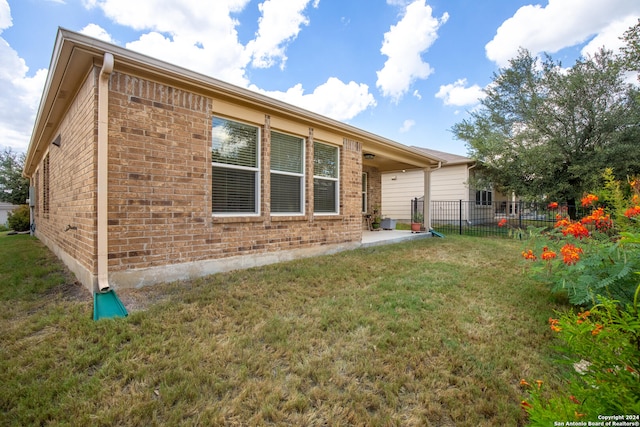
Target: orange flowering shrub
[
  {"x": 577, "y": 230},
  {"x": 553, "y": 323},
  {"x": 632, "y": 212},
  {"x": 583, "y": 316},
  {"x": 566, "y": 226},
  {"x": 553, "y": 205},
  {"x": 603, "y": 344},
  {"x": 598, "y": 265},
  {"x": 570, "y": 254},
  {"x": 590, "y": 256},
  {"x": 547, "y": 254},
  {"x": 600, "y": 219},
  {"x": 589, "y": 200}
]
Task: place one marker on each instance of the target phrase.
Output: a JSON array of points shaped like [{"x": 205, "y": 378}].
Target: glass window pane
[
  {"x": 285, "y": 194},
  {"x": 234, "y": 143},
  {"x": 324, "y": 193},
  {"x": 325, "y": 160},
  {"x": 234, "y": 191},
  {"x": 286, "y": 153}
]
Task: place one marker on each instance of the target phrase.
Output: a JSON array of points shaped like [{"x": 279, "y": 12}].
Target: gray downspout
[{"x": 103, "y": 172}]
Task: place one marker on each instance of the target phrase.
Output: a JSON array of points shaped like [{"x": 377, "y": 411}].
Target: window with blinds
[
  {"x": 287, "y": 174},
  {"x": 326, "y": 167},
  {"x": 235, "y": 166},
  {"x": 364, "y": 192},
  {"x": 45, "y": 186}
]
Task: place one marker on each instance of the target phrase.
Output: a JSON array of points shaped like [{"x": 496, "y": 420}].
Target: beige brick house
[{"x": 146, "y": 172}]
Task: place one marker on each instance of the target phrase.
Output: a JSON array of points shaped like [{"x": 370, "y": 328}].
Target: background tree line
[
  {"x": 547, "y": 131},
  {"x": 14, "y": 188}
]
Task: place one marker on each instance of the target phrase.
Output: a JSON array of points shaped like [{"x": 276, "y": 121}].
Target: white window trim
[
  {"x": 365, "y": 192},
  {"x": 300, "y": 175},
  {"x": 337, "y": 180},
  {"x": 481, "y": 204}
]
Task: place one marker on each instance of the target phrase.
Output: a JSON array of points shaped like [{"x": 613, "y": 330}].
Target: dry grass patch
[{"x": 432, "y": 332}]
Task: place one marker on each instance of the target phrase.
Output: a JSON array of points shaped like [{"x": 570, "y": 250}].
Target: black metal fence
[{"x": 496, "y": 218}]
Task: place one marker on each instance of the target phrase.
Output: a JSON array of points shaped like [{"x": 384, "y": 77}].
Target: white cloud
[
  {"x": 407, "y": 125},
  {"x": 403, "y": 45},
  {"x": 5, "y": 15},
  {"x": 560, "y": 24},
  {"x": 333, "y": 98},
  {"x": 610, "y": 36},
  {"x": 193, "y": 17},
  {"x": 183, "y": 32},
  {"x": 228, "y": 66},
  {"x": 197, "y": 35},
  {"x": 280, "y": 24},
  {"x": 459, "y": 95},
  {"x": 416, "y": 93},
  {"x": 97, "y": 32},
  {"x": 20, "y": 92}
]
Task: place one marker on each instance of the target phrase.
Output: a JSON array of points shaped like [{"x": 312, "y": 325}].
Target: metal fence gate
[{"x": 470, "y": 217}]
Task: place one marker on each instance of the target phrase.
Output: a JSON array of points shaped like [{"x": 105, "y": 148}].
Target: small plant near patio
[
  {"x": 418, "y": 217},
  {"x": 376, "y": 218},
  {"x": 596, "y": 265}
]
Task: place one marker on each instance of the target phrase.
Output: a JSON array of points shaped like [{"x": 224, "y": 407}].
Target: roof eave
[{"x": 68, "y": 41}]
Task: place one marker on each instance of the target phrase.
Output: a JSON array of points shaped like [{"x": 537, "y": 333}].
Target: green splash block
[{"x": 107, "y": 305}]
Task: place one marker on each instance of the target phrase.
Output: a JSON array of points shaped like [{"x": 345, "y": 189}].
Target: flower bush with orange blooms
[
  {"x": 588, "y": 257},
  {"x": 589, "y": 200},
  {"x": 603, "y": 345},
  {"x": 597, "y": 266}
]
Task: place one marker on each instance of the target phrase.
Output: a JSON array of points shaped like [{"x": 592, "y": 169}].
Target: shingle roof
[{"x": 452, "y": 159}]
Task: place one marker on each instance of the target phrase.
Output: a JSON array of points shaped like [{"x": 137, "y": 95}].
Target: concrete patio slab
[{"x": 385, "y": 237}]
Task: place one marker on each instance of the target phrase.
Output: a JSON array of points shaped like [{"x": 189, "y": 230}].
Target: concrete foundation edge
[
  {"x": 173, "y": 272},
  {"x": 190, "y": 270}
]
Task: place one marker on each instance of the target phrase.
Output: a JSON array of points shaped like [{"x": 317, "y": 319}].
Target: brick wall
[
  {"x": 374, "y": 189},
  {"x": 72, "y": 182},
  {"x": 160, "y": 186}
]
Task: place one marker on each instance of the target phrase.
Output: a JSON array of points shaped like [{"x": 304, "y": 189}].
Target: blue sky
[{"x": 405, "y": 70}]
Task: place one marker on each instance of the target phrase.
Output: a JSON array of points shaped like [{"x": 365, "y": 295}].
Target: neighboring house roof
[
  {"x": 75, "y": 53},
  {"x": 5, "y": 205},
  {"x": 451, "y": 159}
]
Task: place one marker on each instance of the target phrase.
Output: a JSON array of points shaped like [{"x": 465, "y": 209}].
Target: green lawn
[{"x": 430, "y": 332}]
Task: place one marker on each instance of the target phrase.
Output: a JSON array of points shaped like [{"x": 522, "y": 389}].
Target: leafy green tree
[
  {"x": 14, "y": 188},
  {"x": 631, "y": 50},
  {"x": 543, "y": 130}
]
